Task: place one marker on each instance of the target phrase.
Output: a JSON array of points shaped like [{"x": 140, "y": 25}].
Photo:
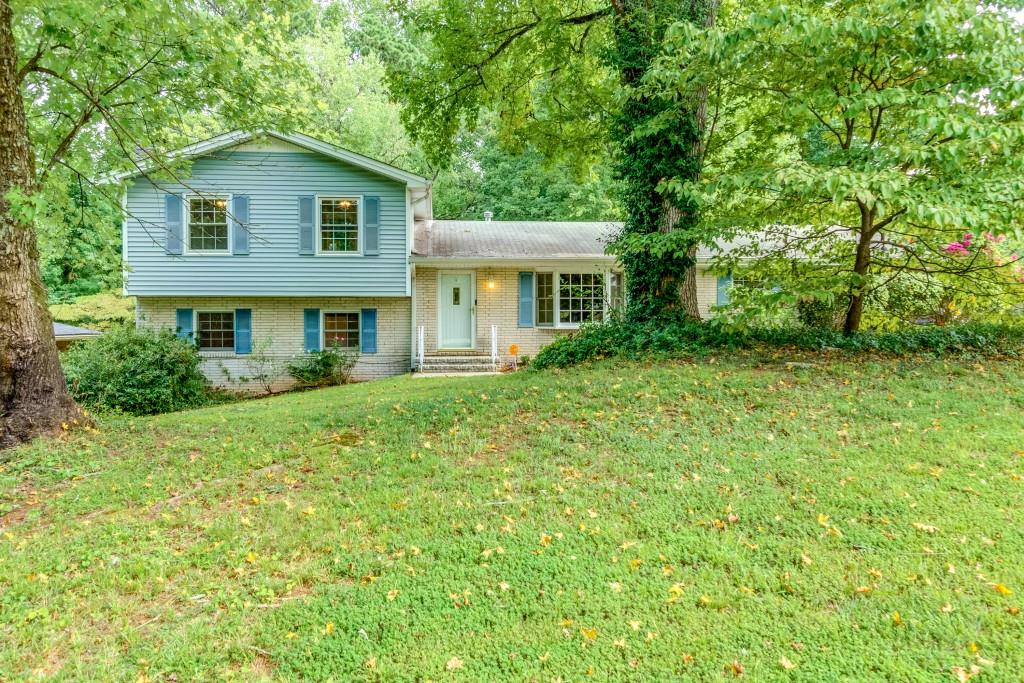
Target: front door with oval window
[{"x": 455, "y": 304}]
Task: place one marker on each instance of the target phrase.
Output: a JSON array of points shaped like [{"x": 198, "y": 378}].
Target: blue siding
[{"x": 273, "y": 181}]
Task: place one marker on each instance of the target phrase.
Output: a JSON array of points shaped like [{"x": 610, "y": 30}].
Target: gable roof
[{"x": 238, "y": 137}]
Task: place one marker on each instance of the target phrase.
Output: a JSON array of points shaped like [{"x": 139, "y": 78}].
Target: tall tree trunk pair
[{"x": 34, "y": 398}]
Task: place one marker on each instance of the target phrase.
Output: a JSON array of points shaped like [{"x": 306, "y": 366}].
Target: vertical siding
[
  {"x": 273, "y": 180},
  {"x": 277, "y": 327}
]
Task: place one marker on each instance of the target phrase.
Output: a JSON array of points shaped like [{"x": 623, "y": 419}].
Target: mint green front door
[{"x": 455, "y": 310}]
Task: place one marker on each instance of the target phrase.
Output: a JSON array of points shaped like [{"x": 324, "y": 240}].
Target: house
[
  {"x": 66, "y": 335},
  {"x": 275, "y": 245}
]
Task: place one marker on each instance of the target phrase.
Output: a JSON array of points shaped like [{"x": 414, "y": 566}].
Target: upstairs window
[
  {"x": 341, "y": 330},
  {"x": 216, "y": 331},
  {"x": 339, "y": 225},
  {"x": 208, "y": 224}
]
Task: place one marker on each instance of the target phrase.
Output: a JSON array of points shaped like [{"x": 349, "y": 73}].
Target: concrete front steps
[{"x": 457, "y": 364}]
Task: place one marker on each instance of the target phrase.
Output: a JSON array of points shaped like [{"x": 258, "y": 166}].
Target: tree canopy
[{"x": 861, "y": 143}]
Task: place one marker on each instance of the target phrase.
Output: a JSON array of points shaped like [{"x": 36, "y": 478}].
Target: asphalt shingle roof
[
  {"x": 62, "y": 330},
  {"x": 512, "y": 239}
]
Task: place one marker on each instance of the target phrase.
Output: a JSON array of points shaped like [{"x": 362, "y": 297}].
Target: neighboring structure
[
  {"x": 67, "y": 335},
  {"x": 276, "y": 245}
]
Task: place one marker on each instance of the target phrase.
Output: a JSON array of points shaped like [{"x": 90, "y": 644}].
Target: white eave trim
[{"x": 237, "y": 137}]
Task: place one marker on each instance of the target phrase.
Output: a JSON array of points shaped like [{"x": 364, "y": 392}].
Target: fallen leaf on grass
[
  {"x": 454, "y": 663},
  {"x": 963, "y": 675},
  {"x": 786, "y": 664}
]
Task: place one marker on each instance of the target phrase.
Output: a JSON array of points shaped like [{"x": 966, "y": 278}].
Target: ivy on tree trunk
[{"x": 660, "y": 281}]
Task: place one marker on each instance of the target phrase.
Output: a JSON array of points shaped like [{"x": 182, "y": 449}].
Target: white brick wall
[
  {"x": 500, "y": 306},
  {"x": 281, "y": 321}
]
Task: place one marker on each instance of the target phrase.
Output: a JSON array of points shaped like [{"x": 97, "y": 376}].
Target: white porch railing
[
  {"x": 494, "y": 346},
  {"x": 420, "y": 335}
]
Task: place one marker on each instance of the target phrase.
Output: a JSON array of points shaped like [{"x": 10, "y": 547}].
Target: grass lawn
[{"x": 857, "y": 520}]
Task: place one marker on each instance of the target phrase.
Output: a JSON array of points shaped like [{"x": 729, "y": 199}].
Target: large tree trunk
[
  {"x": 662, "y": 284},
  {"x": 861, "y": 265},
  {"x": 34, "y": 398},
  {"x": 686, "y": 285}
]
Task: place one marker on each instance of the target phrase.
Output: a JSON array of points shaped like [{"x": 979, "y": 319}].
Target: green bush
[
  {"x": 323, "y": 368},
  {"x": 141, "y": 372},
  {"x": 682, "y": 337}
]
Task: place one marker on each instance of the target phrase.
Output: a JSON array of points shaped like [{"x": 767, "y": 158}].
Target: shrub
[
  {"x": 681, "y": 337},
  {"x": 141, "y": 372},
  {"x": 323, "y": 368}
]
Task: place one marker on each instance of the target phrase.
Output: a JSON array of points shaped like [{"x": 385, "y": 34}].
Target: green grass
[{"x": 617, "y": 522}]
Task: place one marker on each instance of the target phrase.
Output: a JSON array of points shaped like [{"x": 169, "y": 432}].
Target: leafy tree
[
  {"x": 87, "y": 86},
  {"x": 79, "y": 241},
  {"x": 860, "y": 143},
  {"x": 564, "y": 78},
  {"x": 485, "y": 176}
]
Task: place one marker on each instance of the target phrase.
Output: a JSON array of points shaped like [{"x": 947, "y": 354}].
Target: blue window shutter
[
  {"x": 724, "y": 283},
  {"x": 371, "y": 226},
  {"x": 525, "y": 299},
  {"x": 368, "y": 331},
  {"x": 174, "y": 219},
  {"x": 311, "y": 329},
  {"x": 239, "y": 225},
  {"x": 243, "y": 330},
  {"x": 307, "y": 238},
  {"x": 183, "y": 320}
]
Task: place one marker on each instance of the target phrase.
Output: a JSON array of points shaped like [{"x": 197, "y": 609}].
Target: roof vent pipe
[{"x": 488, "y": 215}]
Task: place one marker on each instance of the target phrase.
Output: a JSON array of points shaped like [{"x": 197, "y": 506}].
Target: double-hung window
[
  {"x": 216, "y": 330},
  {"x": 570, "y": 299},
  {"x": 341, "y": 330},
  {"x": 339, "y": 225},
  {"x": 208, "y": 225}
]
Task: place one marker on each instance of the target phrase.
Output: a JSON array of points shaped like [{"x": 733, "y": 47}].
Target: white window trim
[
  {"x": 556, "y": 304},
  {"x": 195, "y": 332},
  {"x": 359, "y": 327},
  {"x": 359, "y": 225},
  {"x": 186, "y": 249}
]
